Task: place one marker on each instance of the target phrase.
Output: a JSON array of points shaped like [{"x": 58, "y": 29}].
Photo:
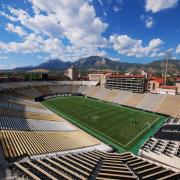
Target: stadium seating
[
  {"x": 169, "y": 131},
  {"x": 21, "y": 124},
  {"x": 82, "y": 89},
  {"x": 30, "y": 132},
  {"x": 75, "y": 89},
  {"x": 14, "y": 106},
  {"x": 134, "y": 99},
  {"x": 122, "y": 97},
  {"x": 25, "y": 143},
  {"x": 101, "y": 93},
  {"x": 24, "y": 102},
  {"x": 91, "y": 91},
  {"x": 29, "y": 115},
  {"x": 111, "y": 95},
  {"x": 58, "y": 89},
  {"x": 162, "y": 150},
  {"x": 92, "y": 165},
  {"x": 30, "y": 92},
  {"x": 150, "y": 101},
  {"x": 158, "y": 146},
  {"x": 170, "y": 105},
  {"x": 45, "y": 90}
]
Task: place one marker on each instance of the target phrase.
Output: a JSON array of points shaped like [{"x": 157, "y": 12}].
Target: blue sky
[{"x": 33, "y": 31}]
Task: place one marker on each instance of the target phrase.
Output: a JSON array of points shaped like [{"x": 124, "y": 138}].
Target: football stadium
[
  {"x": 89, "y": 90},
  {"x": 121, "y": 126},
  {"x": 80, "y": 130}
]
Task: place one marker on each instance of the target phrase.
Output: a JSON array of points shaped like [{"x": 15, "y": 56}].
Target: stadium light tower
[{"x": 168, "y": 55}]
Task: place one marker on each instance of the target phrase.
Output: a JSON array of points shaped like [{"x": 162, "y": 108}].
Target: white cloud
[
  {"x": 75, "y": 20},
  {"x": 101, "y": 3},
  {"x": 5, "y": 66},
  {"x": 16, "y": 29},
  {"x": 157, "y": 55},
  {"x": 84, "y": 29},
  {"x": 170, "y": 50},
  {"x": 120, "y": 1},
  {"x": 162, "y": 54},
  {"x": 52, "y": 47},
  {"x": 132, "y": 47},
  {"x": 118, "y": 6},
  {"x": 116, "y": 9},
  {"x": 11, "y": 18},
  {"x": 149, "y": 22},
  {"x": 49, "y": 25},
  {"x": 33, "y": 44},
  {"x": 3, "y": 57},
  {"x": 178, "y": 49},
  {"x": 159, "y": 5}
]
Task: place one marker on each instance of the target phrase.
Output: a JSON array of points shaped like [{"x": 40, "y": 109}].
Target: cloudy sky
[{"x": 33, "y": 31}]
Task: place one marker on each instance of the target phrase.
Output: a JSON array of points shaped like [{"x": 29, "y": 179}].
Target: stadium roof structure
[{"x": 126, "y": 76}]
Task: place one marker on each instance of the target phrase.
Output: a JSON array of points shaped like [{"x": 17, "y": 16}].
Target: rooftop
[
  {"x": 167, "y": 87},
  {"x": 126, "y": 76}
]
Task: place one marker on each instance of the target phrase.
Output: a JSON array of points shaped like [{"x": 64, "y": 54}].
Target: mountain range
[{"x": 100, "y": 63}]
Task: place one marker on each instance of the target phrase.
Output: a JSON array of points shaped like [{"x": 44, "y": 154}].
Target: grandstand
[
  {"x": 164, "y": 145},
  {"x": 93, "y": 165},
  {"x": 150, "y": 101},
  {"x": 37, "y": 143},
  {"x": 160, "y": 103}
]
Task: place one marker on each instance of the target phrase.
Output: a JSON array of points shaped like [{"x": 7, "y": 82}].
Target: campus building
[
  {"x": 154, "y": 83},
  {"x": 99, "y": 76},
  {"x": 177, "y": 82},
  {"x": 171, "y": 90},
  {"x": 133, "y": 83},
  {"x": 73, "y": 73}
]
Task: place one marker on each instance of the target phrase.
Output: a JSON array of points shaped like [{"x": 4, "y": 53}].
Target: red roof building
[
  {"x": 167, "y": 87},
  {"x": 154, "y": 83},
  {"x": 172, "y": 90}
]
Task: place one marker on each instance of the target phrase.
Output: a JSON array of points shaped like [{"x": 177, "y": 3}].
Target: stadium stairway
[{"x": 92, "y": 165}]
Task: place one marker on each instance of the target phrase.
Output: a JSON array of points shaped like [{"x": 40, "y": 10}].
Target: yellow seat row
[{"x": 23, "y": 143}]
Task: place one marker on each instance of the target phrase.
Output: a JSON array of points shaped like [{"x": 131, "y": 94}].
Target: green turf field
[{"x": 119, "y": 126}]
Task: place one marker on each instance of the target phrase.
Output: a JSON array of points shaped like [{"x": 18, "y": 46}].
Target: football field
[{"x": 121, "y": 127}]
